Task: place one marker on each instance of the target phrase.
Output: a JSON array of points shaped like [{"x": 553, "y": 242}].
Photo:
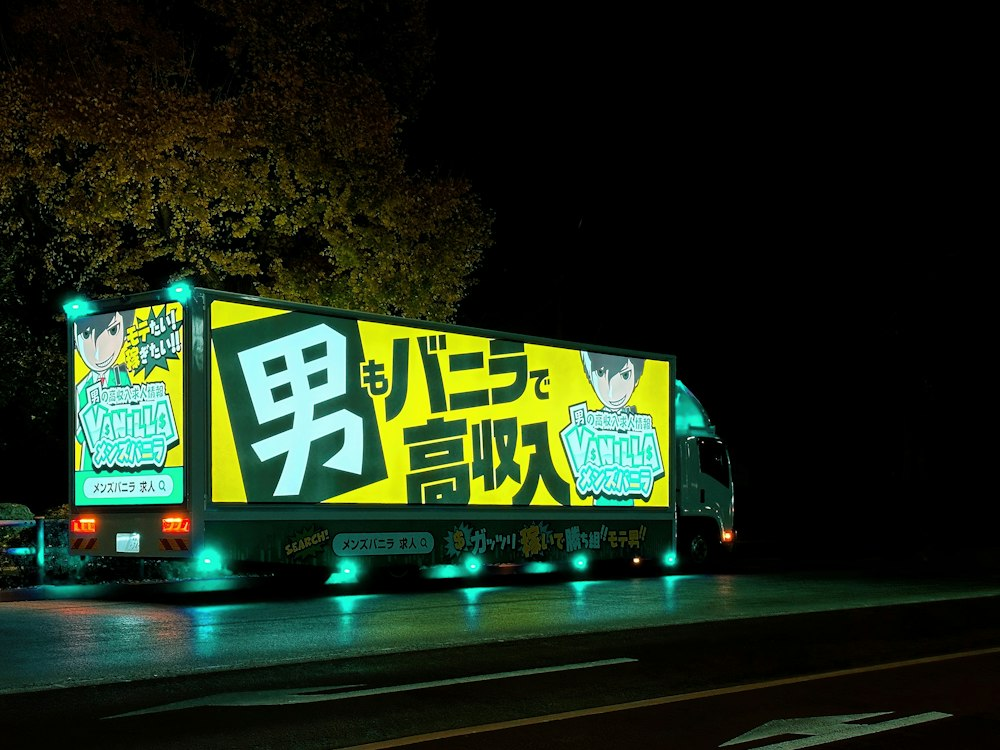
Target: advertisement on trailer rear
[{"x": 127, "y": 370}]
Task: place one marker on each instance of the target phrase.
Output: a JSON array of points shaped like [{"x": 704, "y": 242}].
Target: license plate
[{"x": 127, "y": 542}]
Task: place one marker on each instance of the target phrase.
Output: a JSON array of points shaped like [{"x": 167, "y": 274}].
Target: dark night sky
[{"x": 779, "y": 207}]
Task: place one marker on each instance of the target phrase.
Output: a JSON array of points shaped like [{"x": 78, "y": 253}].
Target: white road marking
[
  {"x": 318, "y": 694},
  {"x": 822, "y": 730}
]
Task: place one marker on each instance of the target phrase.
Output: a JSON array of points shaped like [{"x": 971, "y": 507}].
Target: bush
[
  {"x": 15, "y": 512},
  {"x": 60, "y": 566},
  {"x": 16, "y": 570}
]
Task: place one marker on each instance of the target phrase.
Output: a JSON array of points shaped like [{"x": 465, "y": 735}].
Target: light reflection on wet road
[{"x": 62, "y": 642}]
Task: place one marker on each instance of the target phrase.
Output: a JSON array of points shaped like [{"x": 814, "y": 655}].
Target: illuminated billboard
[
  {"x": 314, "y": 408},
  {"x": 127, "y": 370}
]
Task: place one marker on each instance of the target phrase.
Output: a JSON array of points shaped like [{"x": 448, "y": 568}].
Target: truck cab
[{"x": 705, "y": 530}]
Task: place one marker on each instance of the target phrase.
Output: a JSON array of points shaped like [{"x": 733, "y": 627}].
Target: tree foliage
[{"x": 246, "y": 146}]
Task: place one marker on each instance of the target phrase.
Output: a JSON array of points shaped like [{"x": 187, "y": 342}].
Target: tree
[{"x": 251, "y": 147}]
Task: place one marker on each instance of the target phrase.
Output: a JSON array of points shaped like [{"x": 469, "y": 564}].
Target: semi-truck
[{"x": 246, "y": 433}]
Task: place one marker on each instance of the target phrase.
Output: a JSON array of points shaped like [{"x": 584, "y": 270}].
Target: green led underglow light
[
  {"x": 347, "y": 572},
  {"x": 540, "y": 567},
  {"x": 443, "y": 571},
  {"x": 209, "y": 562},
  {"x": 179, "y": 292},
  {"x": 78, "y": 308}
]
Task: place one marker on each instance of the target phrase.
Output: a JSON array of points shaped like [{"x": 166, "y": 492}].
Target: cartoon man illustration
[
  {"x": 99, "y": 340},
  {"x": 614, "y": 377}
]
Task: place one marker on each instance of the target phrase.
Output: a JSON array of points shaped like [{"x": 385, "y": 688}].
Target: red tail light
[
  {"x": 83, "y": 525},
  {"x": 176, "y": 525}
]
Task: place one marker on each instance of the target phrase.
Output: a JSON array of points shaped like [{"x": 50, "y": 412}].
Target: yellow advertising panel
[
  {"x": 127, "y": 367},
  {"x": 315, "y": 408}
]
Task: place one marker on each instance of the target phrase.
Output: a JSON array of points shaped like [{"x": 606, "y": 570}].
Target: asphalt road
[{"x": 748, "y": 660}]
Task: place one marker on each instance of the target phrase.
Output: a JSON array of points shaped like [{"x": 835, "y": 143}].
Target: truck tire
[{"x": 699, "y": 550}]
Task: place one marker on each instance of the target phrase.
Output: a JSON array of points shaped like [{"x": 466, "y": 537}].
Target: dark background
[{"x": 786, "y": 204}]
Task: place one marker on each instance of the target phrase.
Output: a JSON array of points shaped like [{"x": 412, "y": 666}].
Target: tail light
[
  {"x": 87, "y": 525},
  {"x": 176, "y": 525}
]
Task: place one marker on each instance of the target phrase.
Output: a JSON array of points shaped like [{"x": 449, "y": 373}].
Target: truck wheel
[{"x": 699, "y": 551}]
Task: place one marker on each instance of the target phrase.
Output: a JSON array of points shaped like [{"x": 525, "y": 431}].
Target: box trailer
[{"x": 256, "y": 434}]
